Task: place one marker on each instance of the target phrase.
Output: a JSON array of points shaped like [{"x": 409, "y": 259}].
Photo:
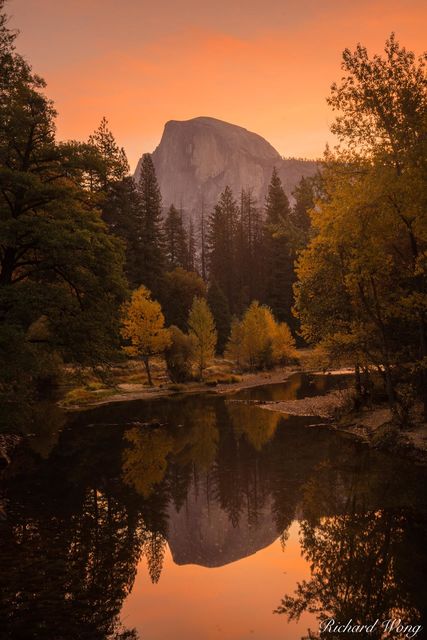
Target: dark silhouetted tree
[
  {"x": 222, "y": 239},
  {"x": 176, "y": 246},
  {"x": 152, "y": 258},
  {"x": 278, "y": 251},
  {"x": 221, "y": 312}
]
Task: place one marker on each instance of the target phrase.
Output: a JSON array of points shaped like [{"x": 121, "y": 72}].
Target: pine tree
[
  {"x": 121, "y": 210},
  {"x": 221, "y": 313},
  {"x": 191, "y": 254},
  {"x": 151, "y": 259},
  {"x": 222, "y": 245},
  {"x": 203, "y": 249},
  {"x": 176, "y": 246},
  {"x": 114, "y": 165},
  {"x": 278, "y": 253},
  {"x": 248, "y": 251},
  {"x": 307, "y": 191},
  {"x": 119, "y": 199}
]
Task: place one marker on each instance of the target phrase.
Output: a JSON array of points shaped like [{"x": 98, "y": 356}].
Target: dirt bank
[
  {"x": 375, "y": 426},
  {"x": 125, "y": 392}
]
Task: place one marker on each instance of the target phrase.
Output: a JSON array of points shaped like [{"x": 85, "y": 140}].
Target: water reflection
[
  {"x": 364, "y": 535},
  {"x": 221, "y": 481}
]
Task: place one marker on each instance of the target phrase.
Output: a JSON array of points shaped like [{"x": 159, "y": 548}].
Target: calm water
[{"x": 204, "y": 524}]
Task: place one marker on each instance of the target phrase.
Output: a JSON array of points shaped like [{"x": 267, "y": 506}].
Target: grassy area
[
  {"x": 129, "y": 380},
  {"x": 88, "y": 387}
]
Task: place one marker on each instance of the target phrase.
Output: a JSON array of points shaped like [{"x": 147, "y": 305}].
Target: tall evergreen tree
[
  {"x": 307, "y": 191},
  {"x": 191, "y": 255},
  {"x": 222, "y": 245},
  {"x": 278, "y": 252},
  {"x": 113, "y": 165},
  {"x": 203, "y": 248},
  {"x": 118, "y": 197},
  {"x": 248, "y": 250},
  {"x": 151, "y": 259},
  {"x": 121, "y": 210},
  {"x": 176, "y": 246},
  {"x": 221, "y": 312}
]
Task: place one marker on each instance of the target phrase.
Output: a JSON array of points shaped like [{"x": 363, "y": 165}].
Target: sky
[{"x": 266, "y": 65}]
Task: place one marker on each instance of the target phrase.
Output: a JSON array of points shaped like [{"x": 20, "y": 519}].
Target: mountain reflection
[{"x": 218, "y": 481}]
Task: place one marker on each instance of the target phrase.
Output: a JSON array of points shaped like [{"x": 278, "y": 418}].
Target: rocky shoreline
[{"x": 373, "y": 426}]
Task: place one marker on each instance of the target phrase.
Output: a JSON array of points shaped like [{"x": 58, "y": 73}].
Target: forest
[{"x": 94, "y": 271}]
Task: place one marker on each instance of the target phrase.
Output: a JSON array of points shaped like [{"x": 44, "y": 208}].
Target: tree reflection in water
[
  {"x": 366, "y": 563},
  {"x": 84, "y": 505}
]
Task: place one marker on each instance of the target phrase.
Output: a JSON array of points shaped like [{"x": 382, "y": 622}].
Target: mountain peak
[{"x": 197, "y": 158}]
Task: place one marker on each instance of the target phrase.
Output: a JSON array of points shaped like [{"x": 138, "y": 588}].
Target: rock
[{"x": 197, "y": 158}]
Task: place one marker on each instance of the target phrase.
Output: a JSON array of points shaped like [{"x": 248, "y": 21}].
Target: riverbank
[
  {"x": 375, "y": 426},
  {"x": 220, "y": 379}
]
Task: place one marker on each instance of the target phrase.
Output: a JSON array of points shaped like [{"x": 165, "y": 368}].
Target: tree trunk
[{"x": 147, "y": 368}]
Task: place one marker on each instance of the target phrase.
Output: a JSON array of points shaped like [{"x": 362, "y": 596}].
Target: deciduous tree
[
  {"x": 202, "y": 328},
  {"x": 143, "y": 326}
]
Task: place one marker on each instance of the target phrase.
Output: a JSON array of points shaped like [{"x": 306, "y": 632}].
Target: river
[{"x": 218, "y": 520}]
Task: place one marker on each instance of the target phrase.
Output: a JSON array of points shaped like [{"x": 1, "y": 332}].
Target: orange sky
[{"x": 263, "y": 64}]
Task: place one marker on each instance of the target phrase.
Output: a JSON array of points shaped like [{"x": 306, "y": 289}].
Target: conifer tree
[
  {"x": 278, "y": 254},
  {"x": 203, "y": 248},
  {"x": 176, "y": 246},
  {"x": 114, "y": 165},
  {"x": 151, "y": 259},
  {"x": 222, "y": 249},
  {"x": 118, "y": 197},
  {"x": 248, "y": 251},
  {"x": 221, "y": 313},
  {"x": 306, "y": 193},
  {"x": 191, "y": 255},
  {"x": 121, "y": 210},
  {"x": 304, "y": 201}
]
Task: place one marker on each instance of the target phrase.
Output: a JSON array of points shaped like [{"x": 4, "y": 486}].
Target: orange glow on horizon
[{"x": 268, "y": 68}]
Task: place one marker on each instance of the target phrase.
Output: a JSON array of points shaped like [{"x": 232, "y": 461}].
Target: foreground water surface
[{"x": 220, "y": 520}]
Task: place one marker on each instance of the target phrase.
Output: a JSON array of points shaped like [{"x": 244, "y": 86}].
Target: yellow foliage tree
[
  {"x": 143, "y": 325},
  {"x": 201, "y": 327},
  {"x": 145, "y": 459},
  {"x": 361, "y": 292},
  {"x": 258, "y": 340}
]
